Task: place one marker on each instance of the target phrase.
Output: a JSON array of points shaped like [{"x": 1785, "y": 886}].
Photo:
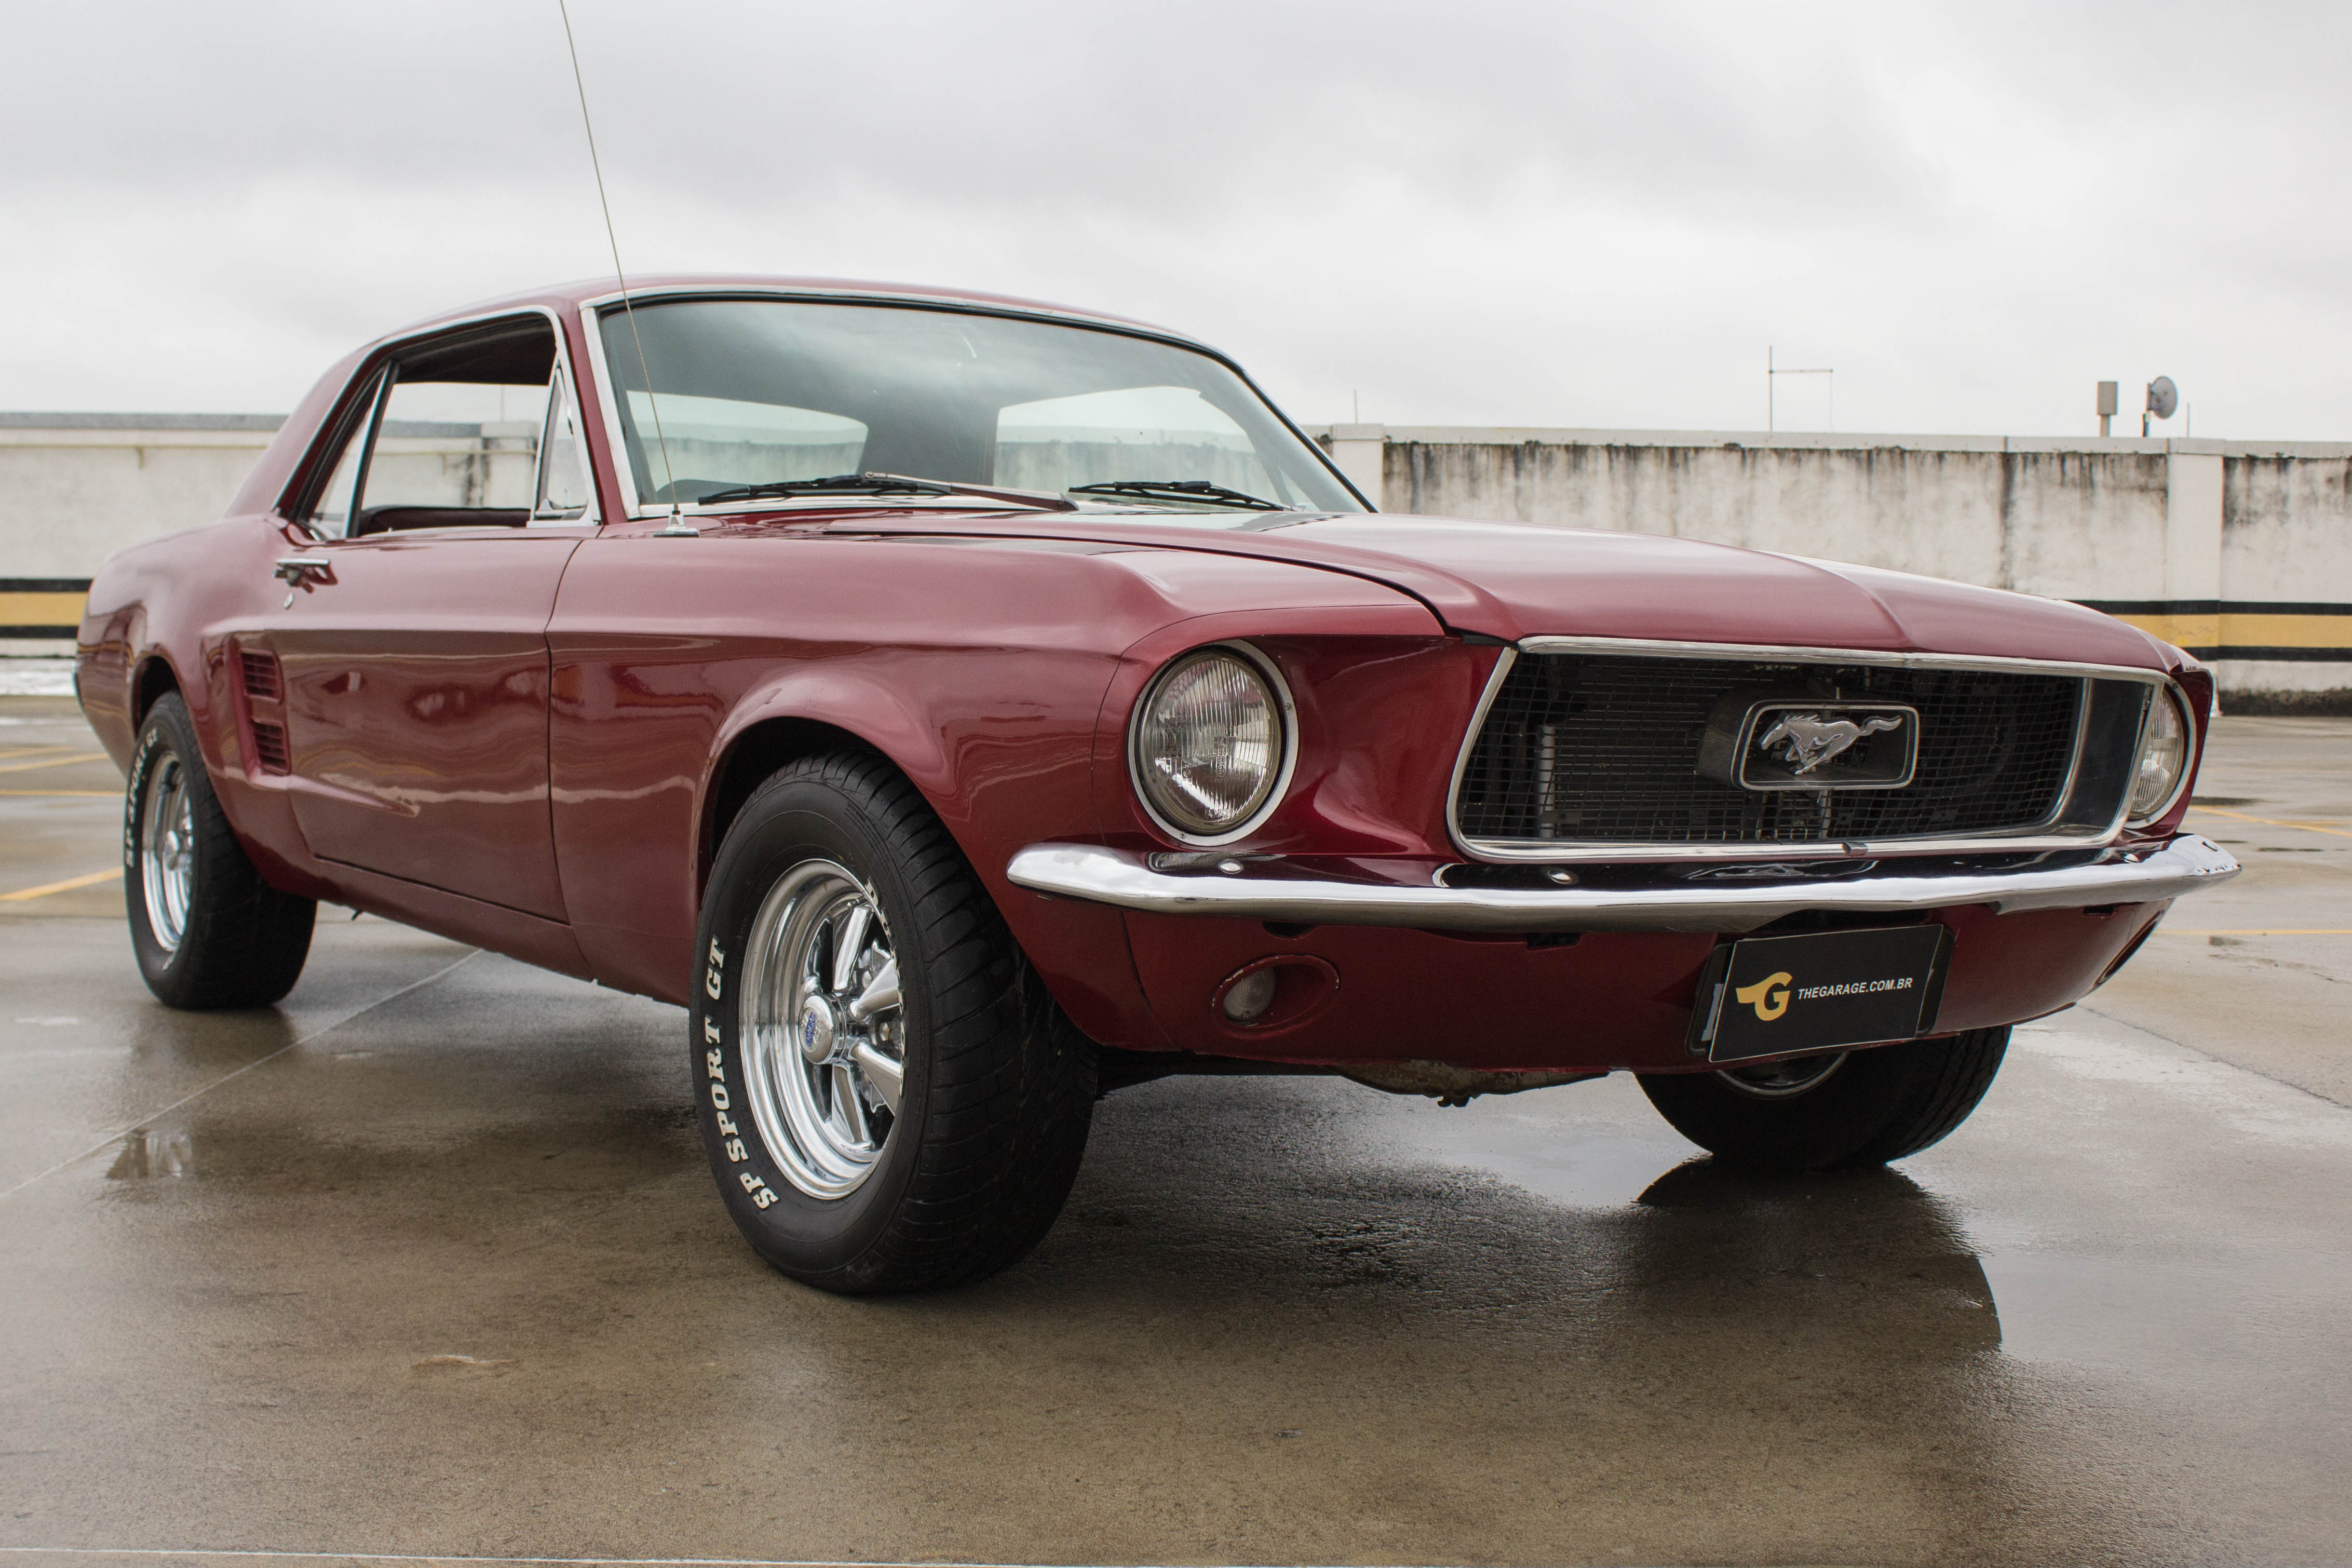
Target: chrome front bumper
[{"x": 1621, "y": 899}]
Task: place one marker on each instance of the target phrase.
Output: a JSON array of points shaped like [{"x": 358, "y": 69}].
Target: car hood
[{"x": 1510, "y": 581}]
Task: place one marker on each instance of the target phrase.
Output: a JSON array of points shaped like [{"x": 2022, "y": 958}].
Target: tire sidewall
[
  {"x": 786, "y": 825},
  {"x": 167, "y": 734},
  {"x": 1838, "y": 1117}
]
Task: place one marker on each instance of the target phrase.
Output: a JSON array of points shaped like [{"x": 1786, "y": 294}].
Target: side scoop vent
[
  {"x": 262, "y": 678},
  {"x": 269, "y": 754}
]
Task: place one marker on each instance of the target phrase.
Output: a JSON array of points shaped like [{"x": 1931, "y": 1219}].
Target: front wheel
[
  {"x": 1840, "y": 1109},
  {"x": 889, "y": 1098}
]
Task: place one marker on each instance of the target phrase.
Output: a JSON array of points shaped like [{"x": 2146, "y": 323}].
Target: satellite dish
[{"x": 2163, "y": 397}]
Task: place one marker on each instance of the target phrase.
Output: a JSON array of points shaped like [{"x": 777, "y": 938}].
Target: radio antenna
[{"x": 677, "y": 524}]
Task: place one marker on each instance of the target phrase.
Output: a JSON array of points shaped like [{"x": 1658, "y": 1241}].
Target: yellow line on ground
[
  {"x": 61, "y": 794},
  {"x": 2285, "y": 930},
  {"x": 52, "y": 762},
  {"x": 2272, "y": 821},
  {"x": 30, "y": 751},
  {"x": 67, "y": 886}
]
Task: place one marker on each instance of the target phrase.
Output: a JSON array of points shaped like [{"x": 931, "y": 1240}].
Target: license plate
[{"x": 1777, "y": 994}]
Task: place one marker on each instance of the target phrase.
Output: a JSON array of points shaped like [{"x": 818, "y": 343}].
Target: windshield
[{"x": 770, "y": 393}]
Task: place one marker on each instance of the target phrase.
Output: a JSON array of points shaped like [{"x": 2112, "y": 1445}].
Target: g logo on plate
[{"x": 1768, "y": 996}]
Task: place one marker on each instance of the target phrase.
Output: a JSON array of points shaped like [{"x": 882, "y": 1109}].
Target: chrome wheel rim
[
  {"x": 167, "y": 853},
  {"x": 822, "y": 1031},
  {"x": 1782, "y": 1079}
]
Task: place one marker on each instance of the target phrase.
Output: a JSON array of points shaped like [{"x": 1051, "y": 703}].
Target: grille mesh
[{"x": 1604, "y": 749}]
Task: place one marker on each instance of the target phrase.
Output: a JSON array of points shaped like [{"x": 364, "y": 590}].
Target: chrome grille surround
[{"x": 2087, "y": 811}]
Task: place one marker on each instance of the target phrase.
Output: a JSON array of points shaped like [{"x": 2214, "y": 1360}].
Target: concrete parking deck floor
[{"x": 426, "y": 1261}]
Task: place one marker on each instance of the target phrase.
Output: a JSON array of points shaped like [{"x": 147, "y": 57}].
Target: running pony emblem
[{"x": 1806, "y": 740}]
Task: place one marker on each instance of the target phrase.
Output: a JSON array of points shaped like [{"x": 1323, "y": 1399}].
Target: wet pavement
[{"x": 426, "y": 1261}]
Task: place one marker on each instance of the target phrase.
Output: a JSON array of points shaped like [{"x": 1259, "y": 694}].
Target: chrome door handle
[{"x": 297, "y": 571}]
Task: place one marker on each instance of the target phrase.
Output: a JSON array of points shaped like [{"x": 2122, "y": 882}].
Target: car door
[{"x": 412, "y": 650}]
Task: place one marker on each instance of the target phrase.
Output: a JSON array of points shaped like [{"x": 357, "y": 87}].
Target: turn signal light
[
  {"x": 1246, "y": 999},
  {"x": 1274, "y": 992}
]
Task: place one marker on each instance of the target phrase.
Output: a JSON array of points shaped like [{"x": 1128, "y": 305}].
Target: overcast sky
[{"x": 1517, "y": 214}]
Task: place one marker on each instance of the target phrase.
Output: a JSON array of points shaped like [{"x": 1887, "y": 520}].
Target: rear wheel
[
  {"x": 209, "y": 933},
  {"x": 1844, "y": 1108},
  {"x": 889, "y": 1098}
]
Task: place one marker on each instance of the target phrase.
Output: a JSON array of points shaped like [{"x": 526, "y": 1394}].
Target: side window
[
  {"x": 456, "y": 442},
  {"x": 453, "y": 446}
]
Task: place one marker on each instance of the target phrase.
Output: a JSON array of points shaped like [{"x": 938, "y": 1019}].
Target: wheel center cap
[{"x": 817, "y": 1027}]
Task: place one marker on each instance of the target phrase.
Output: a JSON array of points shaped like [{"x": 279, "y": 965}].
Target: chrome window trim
[
  {"x": 1514, "y": 850},
  {"x": 307, "y": 489},
  {"x": 1273, "y": 796},
  {"x": 636, "y": 508},
  {"x": 559, "y": 394},
  {"x": 616, "y": 443},
  {"x": 369, "y": 425}
]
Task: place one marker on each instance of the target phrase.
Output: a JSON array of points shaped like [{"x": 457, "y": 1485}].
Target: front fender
[{"x": 969, "y": 778}]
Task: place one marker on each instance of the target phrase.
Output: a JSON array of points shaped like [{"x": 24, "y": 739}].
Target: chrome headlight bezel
[
  {"x": 1287, "y": 715},
  {"x": 2171, "y": 694}
]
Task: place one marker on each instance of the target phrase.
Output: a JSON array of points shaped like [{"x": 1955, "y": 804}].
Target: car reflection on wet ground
[{"x": 426, "y": 1261}]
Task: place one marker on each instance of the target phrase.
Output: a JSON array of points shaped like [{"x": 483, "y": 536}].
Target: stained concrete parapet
[{"x": 2239, "y": 551}]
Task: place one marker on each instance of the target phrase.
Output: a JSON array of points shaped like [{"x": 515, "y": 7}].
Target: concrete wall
[
  {"x": 76, "y": 487},
  {"x": 2241, "y": 552}
]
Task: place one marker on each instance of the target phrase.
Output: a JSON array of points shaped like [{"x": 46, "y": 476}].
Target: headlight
[
  {"x": 2163, "y": 758},
  {"x": 1212, "y": 743}
]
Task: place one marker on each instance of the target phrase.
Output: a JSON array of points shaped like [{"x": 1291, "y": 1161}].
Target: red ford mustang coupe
[{"x": 965, "y": 706}]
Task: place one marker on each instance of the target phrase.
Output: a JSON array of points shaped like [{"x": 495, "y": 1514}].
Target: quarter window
[{"x": 564, "y": 488}]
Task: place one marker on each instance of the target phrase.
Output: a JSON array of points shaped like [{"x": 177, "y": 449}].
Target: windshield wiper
[
  {"x": 872, "y": 484},
  {"x": 1180, "y": 490},
  {"x": 832, "y": 484}
]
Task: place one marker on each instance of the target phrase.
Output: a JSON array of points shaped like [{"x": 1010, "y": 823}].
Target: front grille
[{"x": 1604, "y": 749}]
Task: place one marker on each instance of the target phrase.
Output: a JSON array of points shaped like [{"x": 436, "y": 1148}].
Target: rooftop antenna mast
[
  {"x": 677, "y": 526},
  {"x": 1771, "y": 385}
]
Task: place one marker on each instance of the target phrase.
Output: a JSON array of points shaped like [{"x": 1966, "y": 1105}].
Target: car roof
[{"x": 581, "y": 290}]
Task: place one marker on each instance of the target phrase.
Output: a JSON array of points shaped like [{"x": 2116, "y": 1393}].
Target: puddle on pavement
[
  {"x": 1589, "y": 1173},
  {"x": 448, "y": 1365},
  {"x": 153, "y": 1152},
  {"x": 1558, "y": 1144}
]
